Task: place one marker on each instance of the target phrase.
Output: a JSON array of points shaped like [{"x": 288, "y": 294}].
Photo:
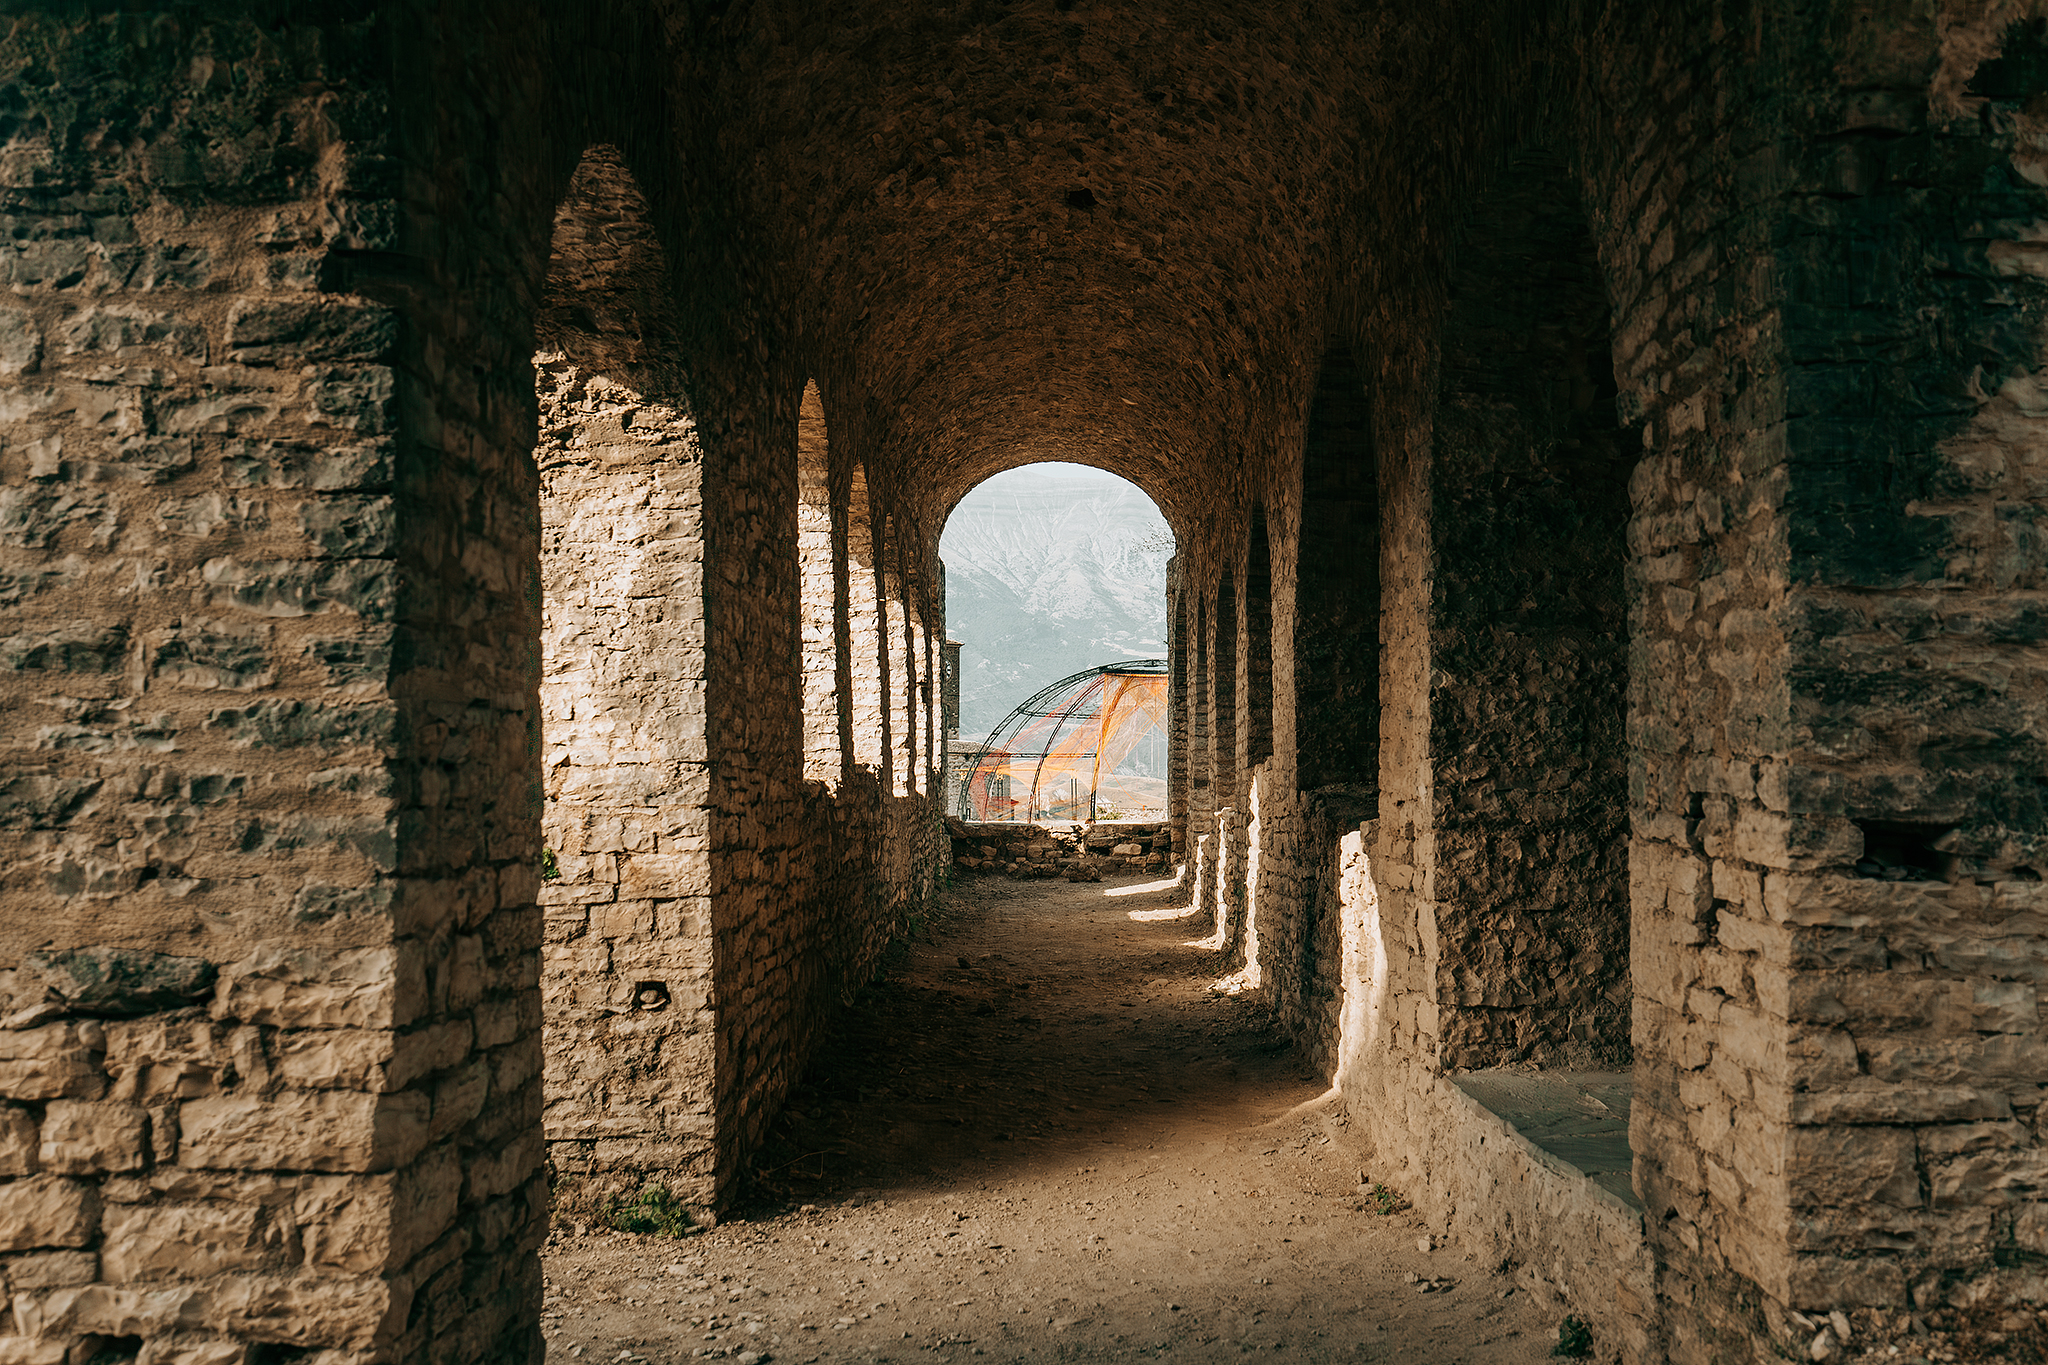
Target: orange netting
[{"x": 1065, "y": 763}]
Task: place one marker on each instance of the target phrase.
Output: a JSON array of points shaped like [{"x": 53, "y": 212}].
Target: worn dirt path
[{"x": 1069, "y": 1148}]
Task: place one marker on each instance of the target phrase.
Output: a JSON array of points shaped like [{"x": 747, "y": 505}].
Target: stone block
[
  {"x": 42, "y": 1211},
  {"x": 303, "y": 1131},
  {"x": 83, "y": 1137},
  {"x": 459, "y": 1098},
  {"x": 1873, "y": 1101},
  {"x": 341, "y": 1311},
  {"x": 1990, "y": 1177},
  {"x": 18, "y": 1141},
  {"x": 1963, "y": 1138},
  {"x": 2030, "y": 1227},
  {"x": 1833, "y": 1166},
  {"x": 119, "y": 980},
  {"x": 109, "y": 1310},
  {"x": 664, "y": 876},
  {"x": 366, "y": 988},
  {"x": 1820, "y": 1283},
  {"x": 177, "y": 1055},
  {"x": 55, "y": 1061},
  {"x": 335, "y": 1059},
  {"x": 185, "y": 1350},
  {"x": 33, "y": 1350},
  {"x": 180, "y": 1241},
  {"x": 52, "y": 1269}
]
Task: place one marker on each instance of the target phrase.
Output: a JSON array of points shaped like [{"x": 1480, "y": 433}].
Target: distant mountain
[{"x": 1050, "y": 569}]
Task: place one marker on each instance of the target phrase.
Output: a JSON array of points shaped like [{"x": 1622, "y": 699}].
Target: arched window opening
[
  {"x": 1256, "y": 625},
  {"x": 1337, "y": 591},
  {"x": 860, "y": 644},
  {"x": 626, "y": 967},
  {"x": 1223, "y": 629},
  {"x": 1530, "y": 643},
  {"x": 899, "y": 679},
  {"x": 1055, "y": 578},
  {"x": 817, "y": 592}
]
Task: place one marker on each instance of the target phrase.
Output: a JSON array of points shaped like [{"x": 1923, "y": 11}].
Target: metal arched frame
[{"x": 1056, "y": 702}]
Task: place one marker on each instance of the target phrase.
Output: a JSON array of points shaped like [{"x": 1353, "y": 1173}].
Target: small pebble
[{"x": 1425, "y": 1243}]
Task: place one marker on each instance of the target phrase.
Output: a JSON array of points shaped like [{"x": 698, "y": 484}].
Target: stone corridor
[
  {"x": 1072, "y": 1148},
  {"x": 472, "y": 637}
]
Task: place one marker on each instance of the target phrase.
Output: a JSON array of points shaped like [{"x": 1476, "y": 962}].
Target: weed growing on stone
[
  {"x": 656, "y": 1211},
  {"x": 1574, "y": 1339},
  {"x": 549, "y": 867}
]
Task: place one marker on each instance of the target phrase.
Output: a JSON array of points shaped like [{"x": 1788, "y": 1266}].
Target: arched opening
[
  {"x": 1053, "y": 572},
  {"x": 899, "y": 661},
  {"x": 626, "y": 973},
  {"x": 1337, "y": 592},
  {"x": 861, "y": 667},
  {"x": 1256, "y": 629},
  {"x": 1530, "y": 642},
  {"x": 817, "y": 592},
  {"x": 1318, "y": 977}
]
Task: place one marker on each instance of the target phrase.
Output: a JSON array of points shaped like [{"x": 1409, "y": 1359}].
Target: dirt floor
[{"x": 1045, "y": 1135}]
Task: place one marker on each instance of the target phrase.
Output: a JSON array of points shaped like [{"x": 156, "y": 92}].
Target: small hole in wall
[
  {"x": 2020, "y": 70},
  {"x": 1904, "y": 850},
  {"x": 106, "y": 1350},
  {"x": 1083, "y": 198},
  {"x": 277, "y": 1353},
  {"x": 650, "y": 995}
]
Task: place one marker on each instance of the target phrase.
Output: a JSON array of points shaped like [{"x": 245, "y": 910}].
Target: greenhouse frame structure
[{"x": 1070, "y": 737}]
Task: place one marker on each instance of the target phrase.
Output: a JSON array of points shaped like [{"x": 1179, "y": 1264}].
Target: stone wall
[
  {"x": 1528, "y": 514},
  {"x": 626, "y": 982},
  {"x": 627, "y": 972}
]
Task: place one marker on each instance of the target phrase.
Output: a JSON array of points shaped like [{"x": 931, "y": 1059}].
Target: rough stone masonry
[{"x": 470, "y": 478}]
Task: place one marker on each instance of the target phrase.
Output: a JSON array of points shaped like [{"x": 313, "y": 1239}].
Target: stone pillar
[
  {"x": 269, "y": 1007},
  {"x": 627, "y": 979},
  {"x": 1226, "y": 776},
  {"x": 627, "y": 969},
  {"x": 1254, "y": 627},
  {"x": 1178, "y": 664},
  {"x": 899, "y": 672},
  {"x": 1201, "y": 756}
]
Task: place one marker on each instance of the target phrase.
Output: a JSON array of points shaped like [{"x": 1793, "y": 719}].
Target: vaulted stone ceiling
[{"x": 1115, "y": 234}]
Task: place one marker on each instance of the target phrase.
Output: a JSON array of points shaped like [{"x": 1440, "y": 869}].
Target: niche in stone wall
[
  {"x": 1529, "y": 639},
  {"x": 817, "y": 593},
  {"x": 859, "y": 636},
  {"x": 626, "y": 964},
  {"x": 1256, "y": 605},
  {"x": 1337, "y": 591}
]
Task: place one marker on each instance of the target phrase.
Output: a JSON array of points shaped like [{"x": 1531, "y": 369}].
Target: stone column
[
  {"x": 1201, "y": 756},
  {"x": 269, "y": 1007},
  {"x": 1225, "y": 773},
  {"x": 1178, "y": 663}
]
